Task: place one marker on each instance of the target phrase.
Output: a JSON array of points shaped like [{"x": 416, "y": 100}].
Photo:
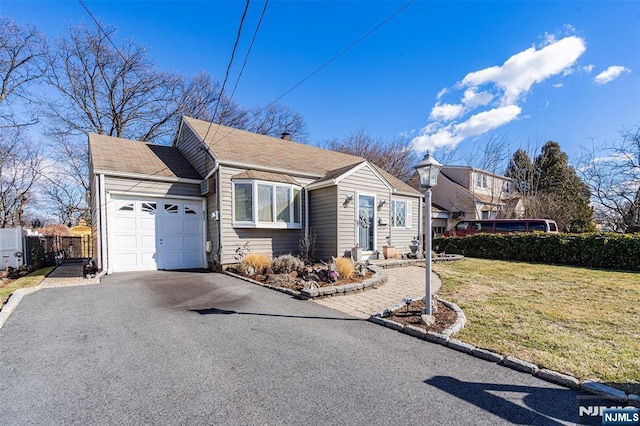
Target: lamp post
[{"x": 428, "y": 170}]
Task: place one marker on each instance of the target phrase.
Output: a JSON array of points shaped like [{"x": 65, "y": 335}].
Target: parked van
[{"x": 501, "y": 226}]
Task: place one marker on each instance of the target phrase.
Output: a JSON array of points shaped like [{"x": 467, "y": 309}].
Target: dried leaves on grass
[{"x": 583, "y": 322}]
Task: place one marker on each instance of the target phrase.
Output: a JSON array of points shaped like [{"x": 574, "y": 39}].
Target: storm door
[{"x": 366, "y": 222}]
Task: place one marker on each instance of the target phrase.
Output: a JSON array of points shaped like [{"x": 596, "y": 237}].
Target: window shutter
[{"x": 408, "y": 213}]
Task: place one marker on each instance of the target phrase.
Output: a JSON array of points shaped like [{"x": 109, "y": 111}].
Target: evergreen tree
[
  {"x": 520, "y": 170},
  {"x": 550, "y": 188}
]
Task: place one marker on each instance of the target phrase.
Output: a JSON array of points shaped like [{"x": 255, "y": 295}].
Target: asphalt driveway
[{"x": 203, "y": 348}]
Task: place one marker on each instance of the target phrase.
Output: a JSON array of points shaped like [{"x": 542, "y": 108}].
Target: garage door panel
[
  {"x": 171, "y": 225},
  {"x": 148, "y": 242},
  {"x": 125, "y": 242},
  {"x": 148, "y": 224},
  {"x": 124, "y": 223},
  {"x": 191, "y": 242},
  {"x": 192, "y": 226}
]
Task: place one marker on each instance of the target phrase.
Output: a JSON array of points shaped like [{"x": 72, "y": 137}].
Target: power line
[
  {"x": 321, "y": 67},
  {"x": 244, "y": 64},
  {"x": 345, "y": 50},
  {"x": 226, "y": 76}
]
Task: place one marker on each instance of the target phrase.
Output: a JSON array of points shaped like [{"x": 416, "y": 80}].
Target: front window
[
  {"x": 243, "y": 204},
  {"x": 481, "y": 180},
  {"x": 398, "y": 214},
  {"x": 277, "y": 205}
]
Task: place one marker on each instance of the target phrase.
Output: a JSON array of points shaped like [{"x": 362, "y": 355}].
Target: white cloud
[
  {"x": 610, "y": 74},
  {"x": 473, "y": 99},
  {"x": 588, "y": 68},
  {"x": 433, "y": 136},
  {"x": 490, "y": 96},
  {"x": 487, "y": 120},
  {"x": 522, "y": 70},
  {"x": 446, "y": 112}
]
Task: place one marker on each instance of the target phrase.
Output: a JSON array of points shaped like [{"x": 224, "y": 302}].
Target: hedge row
[{"x": 605, "y": 251}]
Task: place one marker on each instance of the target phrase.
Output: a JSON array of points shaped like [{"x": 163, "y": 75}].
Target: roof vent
[{"x": 286, "y": 136}]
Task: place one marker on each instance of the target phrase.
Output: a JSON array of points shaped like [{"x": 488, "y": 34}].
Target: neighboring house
[
  {"x": 469, "y": 193},
  {"x": 219, "y": 190}
]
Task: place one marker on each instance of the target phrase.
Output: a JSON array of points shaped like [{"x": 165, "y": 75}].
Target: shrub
[
  {"x": 345, "y": 267},
  {"x": 287, "y": 263},
  {"x": 259, "y": 262},
  {"x": 591, "y": 250}
]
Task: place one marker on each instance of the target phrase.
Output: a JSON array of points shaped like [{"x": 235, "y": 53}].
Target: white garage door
[{"x": 155, "y": 233}]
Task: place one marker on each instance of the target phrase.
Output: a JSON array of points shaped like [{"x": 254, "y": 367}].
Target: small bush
[
  {"x": 287, "y": 263},
  {"x": 345, "y": 267},
  {"x": 259, "y": 262}
]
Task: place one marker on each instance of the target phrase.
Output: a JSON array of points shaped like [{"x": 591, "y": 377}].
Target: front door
[{"x": 366, "y": 222}]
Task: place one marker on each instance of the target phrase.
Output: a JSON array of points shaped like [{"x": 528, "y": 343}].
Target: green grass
[
  {"x": 30, "y": 280},
  {"x": 579, "y": 321}
]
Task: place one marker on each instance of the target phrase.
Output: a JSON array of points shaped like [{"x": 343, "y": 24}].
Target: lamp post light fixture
[{"x": 428, "y": 169}]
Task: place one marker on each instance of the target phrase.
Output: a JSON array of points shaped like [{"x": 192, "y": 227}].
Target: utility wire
[
  {"x": 321, "y": 67},
  {"x": 345, "y": 50},
  {"x": 244, "y": 64},
  {"x": 226, "y": 75}
]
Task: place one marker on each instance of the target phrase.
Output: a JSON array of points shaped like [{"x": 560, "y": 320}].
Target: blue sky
[{"x": 444, "y": 73}]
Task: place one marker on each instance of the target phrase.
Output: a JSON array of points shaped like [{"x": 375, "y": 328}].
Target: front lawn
[
  {"x": 30, "y": 280},
  {"x": 582, "y": 322}
]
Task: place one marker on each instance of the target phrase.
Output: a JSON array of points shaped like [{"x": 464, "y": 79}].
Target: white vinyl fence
[{"x": 10, "y": 244}]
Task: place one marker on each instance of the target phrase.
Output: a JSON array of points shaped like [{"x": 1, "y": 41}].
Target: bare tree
[
  {"x": 20, "y": 165},
  {"x": 22, "y": 61},
  {"x": 613, "y": 175},
  {"x": 394, "y": 156},
  {"x": 276, "y": 119}
]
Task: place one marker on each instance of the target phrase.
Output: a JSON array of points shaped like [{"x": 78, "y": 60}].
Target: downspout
[
  {"x": 306, "y": 214},
  {"x": 103, "y": 226},
  {"x": 216, "y": 166}
]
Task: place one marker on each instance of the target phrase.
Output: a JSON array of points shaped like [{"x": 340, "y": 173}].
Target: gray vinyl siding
[
  {"x": 192, "y": 149},
  {"x": 273, "y": 242},
  {"x": 151, "y": 188},
  {"x": 323, "y": 216},
  {"x": 401, "y": 237},
  {"x": 365, "y": 182}
]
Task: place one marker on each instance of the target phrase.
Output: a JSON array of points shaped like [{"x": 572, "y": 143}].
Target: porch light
[{"x": 428, "y": 170}]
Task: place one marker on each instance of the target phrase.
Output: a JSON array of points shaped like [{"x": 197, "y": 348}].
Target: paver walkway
[
  {"x": 68, "y": 274},
  {"x": 403, "y": 282}
]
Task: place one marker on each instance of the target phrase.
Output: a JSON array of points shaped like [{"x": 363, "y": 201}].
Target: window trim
[{"x": 274, "y": 224}]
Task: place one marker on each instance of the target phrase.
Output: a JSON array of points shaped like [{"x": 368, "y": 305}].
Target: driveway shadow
[
  {"x": 216, "y": 311},
  {"x": 544, "y": 406}
]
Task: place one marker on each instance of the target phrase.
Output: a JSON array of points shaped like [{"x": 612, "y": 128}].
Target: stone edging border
[
  {"x": 374, "y": 282},
  {"x": 514, "y": 363}
]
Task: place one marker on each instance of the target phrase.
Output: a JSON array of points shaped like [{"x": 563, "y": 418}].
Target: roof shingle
[
  {"x": 127, "y": 156},
  {"x": 239, "y": 146}
]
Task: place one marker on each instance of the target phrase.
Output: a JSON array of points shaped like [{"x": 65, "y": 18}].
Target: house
[
  {"x": 218, "y": 191},
  {"x": 464, "y": 192}
]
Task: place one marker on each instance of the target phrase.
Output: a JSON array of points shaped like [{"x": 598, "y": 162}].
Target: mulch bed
[
  {"x": 410, "y": 315},
  {"x": 298, "y": 284},
  {"x": 294, "y": 282}
]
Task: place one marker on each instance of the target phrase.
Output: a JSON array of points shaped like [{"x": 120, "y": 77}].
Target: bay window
[{"x": 259, "y": 204}]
